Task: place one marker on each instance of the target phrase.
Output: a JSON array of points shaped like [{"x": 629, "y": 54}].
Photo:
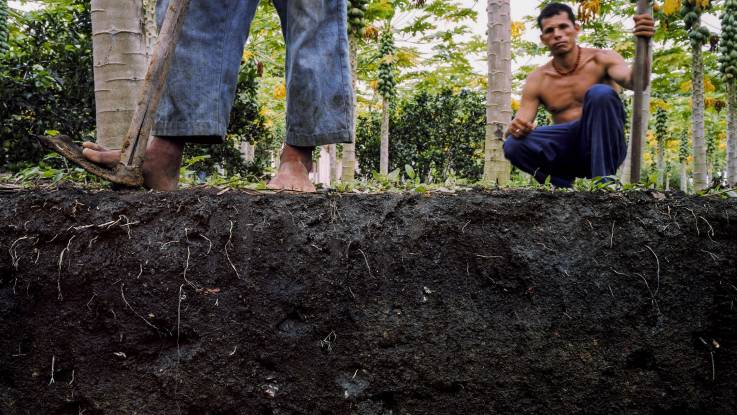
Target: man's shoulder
[
  {"x": 538, "y": 74},
  {"x": 600, "y": 54}
]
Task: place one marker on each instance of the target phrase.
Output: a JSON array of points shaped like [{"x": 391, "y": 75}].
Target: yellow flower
[
  {"x": 247, "y": 54},
  {"x": 671, "y": 7},
  {"x": 515, "y": 105},
  {"x": 517, "y": 29},
  {"x": 280, "y": 91},
  {"x": 708, "y": 85}
]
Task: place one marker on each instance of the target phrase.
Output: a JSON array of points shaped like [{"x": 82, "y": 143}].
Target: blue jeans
[
  {"x": 592, "y": 146},
  {"x": 201, "y": 87}
]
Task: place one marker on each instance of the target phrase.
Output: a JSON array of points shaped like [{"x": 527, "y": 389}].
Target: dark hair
[{"x": 553, "y": 9}]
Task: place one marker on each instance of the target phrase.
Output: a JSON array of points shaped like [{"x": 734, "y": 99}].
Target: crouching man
[{"x": 579, "y": 88}]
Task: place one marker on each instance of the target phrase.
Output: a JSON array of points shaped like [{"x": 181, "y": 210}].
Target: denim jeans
[
  {"x": 201, "y": 87},
  {"x": 592, "y": 146}
]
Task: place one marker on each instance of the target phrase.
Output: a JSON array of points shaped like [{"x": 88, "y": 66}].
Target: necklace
[{"x": 575, "y": 66}]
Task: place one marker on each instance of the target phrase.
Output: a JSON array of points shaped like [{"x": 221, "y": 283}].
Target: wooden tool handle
[
  {"x": 134, "y": 147},
  {"x": 641, "y": 79}
]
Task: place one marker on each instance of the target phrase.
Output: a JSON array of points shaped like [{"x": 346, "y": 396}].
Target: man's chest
[{"x": 563, "y": 93}]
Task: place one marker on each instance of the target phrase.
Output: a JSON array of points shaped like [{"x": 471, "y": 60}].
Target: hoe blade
[{"x": 121, "y": 174}]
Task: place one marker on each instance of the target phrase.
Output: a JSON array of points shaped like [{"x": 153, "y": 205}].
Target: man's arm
[
  {"x": 616, "y": 68},
  {"x": 524, "y": 121}
]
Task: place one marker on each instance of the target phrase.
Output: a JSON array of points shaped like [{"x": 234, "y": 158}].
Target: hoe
[{"x": 128, "y": 171}]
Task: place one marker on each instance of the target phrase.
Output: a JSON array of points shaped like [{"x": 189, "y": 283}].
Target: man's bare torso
[{"x": 563, "y": 96}]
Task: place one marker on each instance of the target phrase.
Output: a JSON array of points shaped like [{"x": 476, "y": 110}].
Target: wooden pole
[{"x": 641, "y": 74}]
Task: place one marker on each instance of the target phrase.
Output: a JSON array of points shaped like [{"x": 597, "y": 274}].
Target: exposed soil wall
[{"x": 472, "y": 303}]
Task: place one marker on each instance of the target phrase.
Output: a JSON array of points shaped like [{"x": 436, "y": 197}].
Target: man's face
[{"x": 559, "y": 34}]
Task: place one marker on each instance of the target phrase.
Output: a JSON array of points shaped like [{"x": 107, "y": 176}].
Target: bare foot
[
  {"x": 100, "y": 155},
  {"x": 160, "y": 168},
  {"x": 294, "y": 168}
]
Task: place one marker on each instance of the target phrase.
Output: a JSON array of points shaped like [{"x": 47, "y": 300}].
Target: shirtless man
[
  {"x": 200, "y": 89},
  {"x": 579, "y": 88}
]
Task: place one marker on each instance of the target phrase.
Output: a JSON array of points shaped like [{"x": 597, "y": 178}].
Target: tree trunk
[
  {"x": 499, "y": 90},
  {"x": 123, "y": 33},
  {"x": 684, "y": 176},
  {"x": 732, "y": 133},
  {"x": 349, "y": 150},
  {"x": 323, "y": 166},
  {"x": 660, "y": 162},
  {"x": 626, "y": 169},
  {"x": 697, "y": 120},
  {"x": 332, "y": 150},
  {"x": 248, "y": 151},
  {"x": 384, "y": 160}
]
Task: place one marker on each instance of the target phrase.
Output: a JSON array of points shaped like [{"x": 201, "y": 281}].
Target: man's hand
[
  {"x": 644, "y": 25},
  {"x": 519, "y": 128}
]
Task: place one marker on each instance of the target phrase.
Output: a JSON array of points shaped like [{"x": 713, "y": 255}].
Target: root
[
  {"x": 179, "y": 318},
  {"x": 61, "y": 261},
  {"x": 14, "y": 257},
  {"x": 611, "y": 239},
  {"x": 148, "y": 323},
  {"x": 710, "y": 234},
  {"x": 365, "y": 258},
  {"x": 230, "y": 244},
  {"x": 53, "y": 363},
  {"x": 208, "y": 240},
  {"x": 489, "y": 256},
  {"x": 186, "y": 264},
  {"x": 713, "y": 256},
  {"x": 647, "y": 285},
  {"x": 657, "y": 261}
]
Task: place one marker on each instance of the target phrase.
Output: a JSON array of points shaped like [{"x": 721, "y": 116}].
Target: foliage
[
  {"x": 439, "y": 136},
  {"x": 45, "y": 81}
]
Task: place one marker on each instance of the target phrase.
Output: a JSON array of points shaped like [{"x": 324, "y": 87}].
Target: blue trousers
[
  {"x": 201, "y": 87},
  {"x": 592, "y": 146}
]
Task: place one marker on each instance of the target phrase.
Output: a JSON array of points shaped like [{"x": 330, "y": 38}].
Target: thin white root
[
  {"x": 61, "y": 262},
  {"x": 365, "y": 258},
  {"x": 122, "y": 294},
  {"x": 227, "y": 255},
  {"x": 53, "y": 363},
  {"x": 179, "y": 317},
  {"x": 657, "y": 261}
]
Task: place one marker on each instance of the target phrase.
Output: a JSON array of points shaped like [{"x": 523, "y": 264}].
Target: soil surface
[{"x": 473, "y": 303}]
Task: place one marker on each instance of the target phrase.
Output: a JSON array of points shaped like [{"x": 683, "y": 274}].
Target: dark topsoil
[{"x": 473, "y": 303}]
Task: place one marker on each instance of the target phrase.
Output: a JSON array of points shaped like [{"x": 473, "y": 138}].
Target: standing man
[
  {"x": 201, "y": 87},
  {"x": 578, "y": 87}
]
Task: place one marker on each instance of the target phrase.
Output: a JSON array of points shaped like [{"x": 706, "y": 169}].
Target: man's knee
[
  {"x": 512, "y": 147},
  {"x": 601, "y": 92}
]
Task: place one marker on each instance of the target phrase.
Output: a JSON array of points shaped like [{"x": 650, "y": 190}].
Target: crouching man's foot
[
  {"x": 161, "y": 165},
  {"x": 294, "y": 168}
]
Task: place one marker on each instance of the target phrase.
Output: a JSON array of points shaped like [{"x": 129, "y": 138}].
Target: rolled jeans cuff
[
  {"x": 201, "y": 132},
  {"x": 313, "y": 140}
]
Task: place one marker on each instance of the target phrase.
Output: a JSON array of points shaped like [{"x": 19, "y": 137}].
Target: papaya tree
[
  {"x": 4, "y": 27},
  {"x": 661, "y": 135},
  {"x": 728, "y": 67},
  {"x": 691, "y": 11},
  {"x": 123, "y": 33},
  {"x": 683, "y": 154},
  {"x": 356, "y": 25},
  {"x": 499, "y": 90},
  {"x": 387, "y": 89}
]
